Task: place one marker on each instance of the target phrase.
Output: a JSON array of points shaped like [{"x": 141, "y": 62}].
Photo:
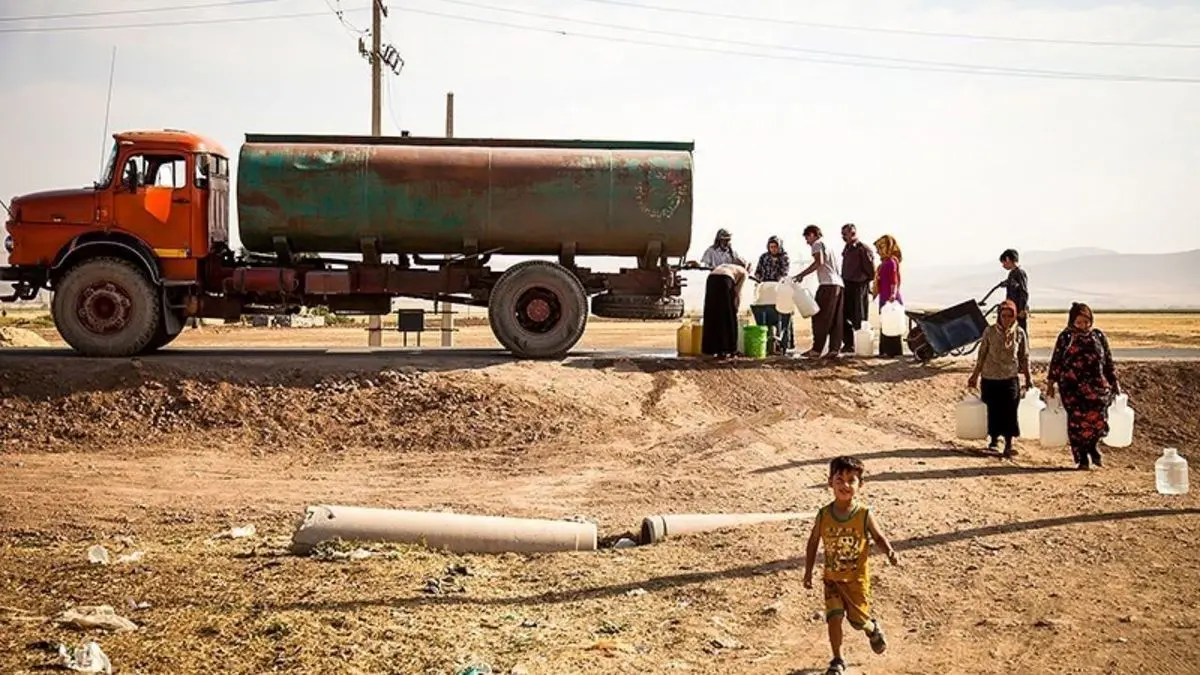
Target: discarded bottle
[{"x": 1171, "y": 473}]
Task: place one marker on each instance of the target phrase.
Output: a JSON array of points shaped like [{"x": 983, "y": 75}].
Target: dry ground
[
  {"x": 1007, "y": 567},
  {"x": 1164, "y": 331}
]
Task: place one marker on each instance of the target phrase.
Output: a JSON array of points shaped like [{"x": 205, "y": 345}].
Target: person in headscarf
[
  {"x": 774, "y": 266},
  {"x": 722, "y": 253},
  {"x": 1084, "y": 375},
  {"x": 1003, "y": 355},
  {"x": 886, "y": 287},
  {"x": 722, "y": 299}
]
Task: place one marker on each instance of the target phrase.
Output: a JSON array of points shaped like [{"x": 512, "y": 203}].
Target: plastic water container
[
  {"x": 1171, "y": 473},
  {"x": 1052, "y": 422},
  {"x": 741, "y": 335},
  {"x": 755, "y": 338},
  {"x": 892, "y": 320},
  {"x": 864, "y": 340},
  {"x": 697, "y": 338},
  {"x": 1029, "y": 414},
  {"x": 785, "y": 299},
  {"x": 1120, "y": 423},
  {"x": 683, "y": 340},
  {"x": 805, "y": 301},
  {"x": 764, "y": 293},
  {"x": 971, "y": 418}
]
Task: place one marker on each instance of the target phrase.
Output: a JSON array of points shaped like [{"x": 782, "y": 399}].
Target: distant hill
[{"x": 1103, "y": 279}]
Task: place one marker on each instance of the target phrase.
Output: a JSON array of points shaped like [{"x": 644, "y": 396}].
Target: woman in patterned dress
[
  {"x": 1083, "y": 372},
  {"x": 774, "y": 266}
]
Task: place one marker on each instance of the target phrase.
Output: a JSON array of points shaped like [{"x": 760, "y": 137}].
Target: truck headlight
[{"x": 8, "y": 243}]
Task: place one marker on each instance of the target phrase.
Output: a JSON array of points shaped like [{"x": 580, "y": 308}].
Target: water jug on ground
[
  {"x": 1029, "y": 414},
  {"x": 683, "y": 339},
  {"x": 755, "y": 339},
  {"x": 764, "y": 293},
  {"x": 697, "y": 338},
  {"x": 1052, "y": 422},
  {"x": 785, "y": 301},
  {"x": 892, "y": 320},
  {"x": 864, "y": 340},
  {"x": 741, "y": 336},
  {"x": 971, "y": 418},
  {"x": 1120, "y": 423},
  {"x": 1171, "y": 473}
]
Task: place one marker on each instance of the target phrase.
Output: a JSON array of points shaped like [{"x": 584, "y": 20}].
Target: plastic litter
[
  {"x": 98, "y": 555},
  {"x": 236, "y": 533},
  {"x": 97, "y": 617},
  {"x": 86, "y": 659}
]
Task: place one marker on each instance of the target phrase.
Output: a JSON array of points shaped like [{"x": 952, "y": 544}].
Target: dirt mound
[
  {"x": 1164, "y": 397},
  {"x": 20, "y": 337},
  {"x": 389, "y": 410}
]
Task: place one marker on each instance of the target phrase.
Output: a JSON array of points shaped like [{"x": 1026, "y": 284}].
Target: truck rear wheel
[
  {"x": 107, "y": 307},
  {"x": 538, "y": 310},
  {"x": 648, "y": 307}
]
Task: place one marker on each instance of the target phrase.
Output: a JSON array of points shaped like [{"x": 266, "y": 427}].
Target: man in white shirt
[{"x": 827, "y": 322}]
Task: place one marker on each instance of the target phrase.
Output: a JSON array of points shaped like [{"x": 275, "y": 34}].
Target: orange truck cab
[{"x": 123, "y": 256}]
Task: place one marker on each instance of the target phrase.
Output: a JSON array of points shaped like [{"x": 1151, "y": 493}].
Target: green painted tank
[{"x": 438, "y": 195}]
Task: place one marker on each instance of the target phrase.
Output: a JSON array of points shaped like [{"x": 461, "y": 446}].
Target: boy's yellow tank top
[{"x": 845, "y": 542}]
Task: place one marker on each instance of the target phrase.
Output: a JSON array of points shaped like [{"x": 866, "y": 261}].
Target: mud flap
[{"x": 172, "y": 323}]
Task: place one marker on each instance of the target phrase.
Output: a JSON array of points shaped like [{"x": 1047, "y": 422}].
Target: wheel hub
[
  {"x": 103, "y": 308},
  {"x": 538, "y": 310}
]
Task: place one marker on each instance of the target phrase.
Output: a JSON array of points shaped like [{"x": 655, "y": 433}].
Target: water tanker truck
[{"x": 147, "y": 246}]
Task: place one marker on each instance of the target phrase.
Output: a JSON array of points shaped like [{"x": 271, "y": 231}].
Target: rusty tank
[{"x": 327, "y": 194}]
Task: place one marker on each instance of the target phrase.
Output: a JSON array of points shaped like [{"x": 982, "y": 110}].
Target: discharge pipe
[
  {"x": 657, "y": 528},
  {"x": 449, "y": 531}
]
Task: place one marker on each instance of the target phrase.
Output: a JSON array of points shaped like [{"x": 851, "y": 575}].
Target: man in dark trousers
[
  {"x": 1016, "y": 286},
  {"x": 858, "y": 270}
]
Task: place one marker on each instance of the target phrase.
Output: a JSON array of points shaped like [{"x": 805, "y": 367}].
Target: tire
[
  {"x": 648, "y": 307},
  {"x": 527, "y": 291},
  {"x": 161, "y": 338},
  {"x": 107, "y": 307}
]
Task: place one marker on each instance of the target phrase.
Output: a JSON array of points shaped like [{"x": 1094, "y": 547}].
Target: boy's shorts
[{"x": 851, "y": 599}]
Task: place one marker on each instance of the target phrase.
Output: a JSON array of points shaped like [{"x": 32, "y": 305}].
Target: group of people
[
  {"x": 1082, "y": 373},
  {"x": 846, "y": 282}
]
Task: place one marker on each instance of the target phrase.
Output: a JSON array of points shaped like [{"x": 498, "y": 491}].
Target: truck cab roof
[{"x": 174, "y": 138}]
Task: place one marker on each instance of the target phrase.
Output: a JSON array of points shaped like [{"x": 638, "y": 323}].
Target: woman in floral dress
[{"x": 1083, "y": 372}]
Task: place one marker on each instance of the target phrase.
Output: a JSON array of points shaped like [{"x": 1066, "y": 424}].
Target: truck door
[{"x": 153, "y": 200}]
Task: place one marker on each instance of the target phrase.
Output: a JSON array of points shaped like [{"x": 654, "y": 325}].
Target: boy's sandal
[
  {"x": 836, "y": 667},
  {"x": 878, "y": 641}
]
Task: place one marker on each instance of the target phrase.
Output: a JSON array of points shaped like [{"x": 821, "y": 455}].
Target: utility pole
[
  {"x": 447, "y": 309},
  {"x": 375, "y": 322},
  {"x": 379, "y": 56}
]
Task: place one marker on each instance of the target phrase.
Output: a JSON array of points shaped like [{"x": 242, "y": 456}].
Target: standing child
[{"x": 843, "y": 527}]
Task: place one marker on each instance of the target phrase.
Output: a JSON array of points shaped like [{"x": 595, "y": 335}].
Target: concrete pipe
[
  {"x": 657, "y": 528},
  {"x": 449, "y": 531}
]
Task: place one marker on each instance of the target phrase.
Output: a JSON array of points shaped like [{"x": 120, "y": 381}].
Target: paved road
[{"x": 492, "y": 355}]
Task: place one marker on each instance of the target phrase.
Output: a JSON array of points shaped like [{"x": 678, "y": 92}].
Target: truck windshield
[{"x": 107, "y": 172}]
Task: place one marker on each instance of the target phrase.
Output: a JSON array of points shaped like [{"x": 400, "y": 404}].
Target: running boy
[{"x": 843, "y": 526}]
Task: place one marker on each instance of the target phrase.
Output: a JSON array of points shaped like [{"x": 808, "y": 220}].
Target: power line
[
  {"x": 897, "y": 31},
  {"x": 171, "y": 24},
  {"x": 973, "y": 67},
  {"x": 354, "y": 31},
  {"x": 885, "y": 62},
  {"x": 119, "y": 12}
]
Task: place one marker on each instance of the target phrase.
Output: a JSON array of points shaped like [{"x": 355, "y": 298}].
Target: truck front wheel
[
  {"x": 107, "y": 307},
  {"x": 538, "y": 310}
]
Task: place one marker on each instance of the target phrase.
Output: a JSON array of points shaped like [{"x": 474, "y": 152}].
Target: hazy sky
[{"x": 956, "y": 166}]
